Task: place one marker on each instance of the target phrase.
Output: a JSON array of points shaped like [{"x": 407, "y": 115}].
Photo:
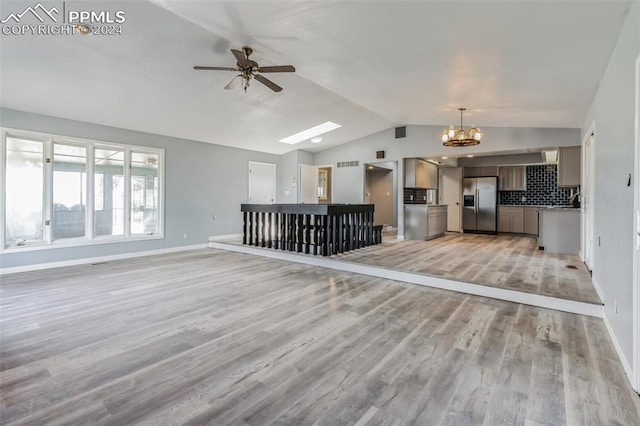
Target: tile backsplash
[{"x": 542, "y": 188}]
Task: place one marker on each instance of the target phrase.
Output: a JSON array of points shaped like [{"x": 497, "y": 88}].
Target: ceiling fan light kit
[
  {"x": 248, "y": 70},
  {"x": 460, "y": 137}
]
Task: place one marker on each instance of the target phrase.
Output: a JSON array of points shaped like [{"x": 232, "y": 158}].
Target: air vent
[
  {"x": 401, "y": 132},
  {"x": 348, "y": 163}
]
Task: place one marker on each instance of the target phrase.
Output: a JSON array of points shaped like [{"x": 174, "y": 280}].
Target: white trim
[
  {"x": 49, "y": 141},
  {"x": 635, "y": 378},
  {"x": 596, "y": 285},
  {"x": 590, "y": 196},
  {"x": 623, "y": 359},
  {"x": 79, "y": 242},
  {"x": 86, "y": 260},
  {"x": 327, "y": 166},
  {"x": 400, "y": 237},
  {"x": 3, "y": 171},
  {"x": 564, "y": 305},
  {"x": 214, "y": 238}
]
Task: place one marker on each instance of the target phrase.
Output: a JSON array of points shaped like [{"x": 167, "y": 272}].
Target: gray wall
[
  {"x": 200, "y": 180},
  {"x": 613, "y": 111},
  {"x": 424, "y": 141},
  {"x": 287, "y": 172}
]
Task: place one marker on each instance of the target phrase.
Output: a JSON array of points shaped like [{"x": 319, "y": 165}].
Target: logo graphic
[
  {"x": 34, "y": 11},
  {"x": 40, "y": 20}
]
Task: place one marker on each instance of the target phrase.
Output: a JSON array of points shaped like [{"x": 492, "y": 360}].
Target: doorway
[
  {"x": 262, "y": 183},
  {"x": 324, "y": 186},
  {"x": 315, "y": 184},
  {"x": 380, "y": 190},
  {"x": 450, "y": 192}
]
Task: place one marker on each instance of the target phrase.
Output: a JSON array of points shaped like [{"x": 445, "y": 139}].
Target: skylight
[{"x": 311, "y": 132}]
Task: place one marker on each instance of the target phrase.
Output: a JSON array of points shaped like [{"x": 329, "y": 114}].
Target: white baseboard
[
  {"x": 86, "y": 260},
  {"x": 400, "y": 237},
  {"x": 616, "y": 344},
  {"x": 225, "y": 237},
  {"x": 555, "y": 303},
  {"x": 597, "y": 287}
]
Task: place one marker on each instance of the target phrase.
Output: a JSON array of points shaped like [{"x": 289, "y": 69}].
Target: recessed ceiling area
[{"x": 366, "y": 65}]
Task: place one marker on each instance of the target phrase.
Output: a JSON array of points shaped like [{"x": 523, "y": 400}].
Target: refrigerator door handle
[{"x": 476, "y": 201}]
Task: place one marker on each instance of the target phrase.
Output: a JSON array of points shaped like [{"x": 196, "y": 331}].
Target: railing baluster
[{"x": 311, "y": 229}]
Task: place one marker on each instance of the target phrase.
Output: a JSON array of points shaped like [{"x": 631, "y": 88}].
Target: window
[
  {"x": 60, "y": 190},
  {"x": 69, "y": 191},
  {"x": 144, "y": 193},
  {"x": 24, "y": 188},
  {"x": 109, "y": 220}
]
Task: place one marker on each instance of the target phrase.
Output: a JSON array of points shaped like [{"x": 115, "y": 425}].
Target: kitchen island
[
  {"x": 424, "y": 221},
  {"x": 559, "y": 229},
  {"x": 324, "y": 229}
]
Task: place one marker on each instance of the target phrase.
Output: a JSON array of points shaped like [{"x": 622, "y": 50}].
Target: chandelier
[{"x": 461, "y": 137}]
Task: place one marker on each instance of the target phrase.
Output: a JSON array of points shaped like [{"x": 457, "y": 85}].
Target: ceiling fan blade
[
  {"x": 240, "y": 57},
  {"x": 278, "y": 68},
  {"x": 234, "y": 82},
  {"x": 270, "y": 84},
  {"x": 198, "y": 67}
]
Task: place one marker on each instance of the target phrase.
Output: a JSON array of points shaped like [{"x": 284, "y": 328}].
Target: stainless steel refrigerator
[{"x": 479, "y": 202}]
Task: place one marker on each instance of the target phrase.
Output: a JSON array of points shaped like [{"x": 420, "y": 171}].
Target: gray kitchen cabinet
[
  {"x": 569, "y": 159},
  {"x": 431, "y": 176},
  {"x": 516, "y": 222},
  {"x": 504, "y": 221},
  {"x": 531, "y": 220},
  {"x": 437, "y": 221},
  {"x": 420, "y": 174},
  {"x": 481, "y": 171},
  {"x": 512, "y": 178},
  {"x": 560, "y": 231},
  {"x": 511, "y": 219}
]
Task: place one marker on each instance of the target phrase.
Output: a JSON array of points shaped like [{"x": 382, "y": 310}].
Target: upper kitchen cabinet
[
  {"x": 420, "y": 174},
  {"x": 569, "y": 159},
  {"x": 481, "y": 171},
  {"x": 512, "y": 178}
]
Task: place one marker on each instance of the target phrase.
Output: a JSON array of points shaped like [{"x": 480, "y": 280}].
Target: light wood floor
[
  {"x": 215, "y": 337},
  {"x": 506, "y": 261}
]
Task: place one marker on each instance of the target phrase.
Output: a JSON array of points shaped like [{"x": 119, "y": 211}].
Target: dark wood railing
[{"x": 324, "y": 229}]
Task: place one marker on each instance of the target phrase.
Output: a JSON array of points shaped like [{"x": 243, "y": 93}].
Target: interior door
[
  {"x": 450, "y": 193},
  {"x": 308, "y": 184},
  {"x": 262, "y": 183}
]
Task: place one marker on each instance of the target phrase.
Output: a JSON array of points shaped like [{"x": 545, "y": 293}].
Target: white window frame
[{"x": 90, "y": 238}]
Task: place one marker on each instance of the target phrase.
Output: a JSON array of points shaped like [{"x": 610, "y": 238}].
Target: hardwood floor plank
[
  {"x": 213, "y": 337},
  {"x": 506, "y": 261}
]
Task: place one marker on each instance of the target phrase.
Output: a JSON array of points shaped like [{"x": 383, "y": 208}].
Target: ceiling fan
[{"x": 249, "y": 69}]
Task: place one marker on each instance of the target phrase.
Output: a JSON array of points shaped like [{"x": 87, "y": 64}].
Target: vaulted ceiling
[{"x": 365, "y": 65}]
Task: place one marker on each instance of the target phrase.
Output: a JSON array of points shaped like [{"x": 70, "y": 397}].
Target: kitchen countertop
[{"x": 564, "y": 207}]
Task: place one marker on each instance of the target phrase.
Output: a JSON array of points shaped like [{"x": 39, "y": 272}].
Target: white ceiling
[{"x": 365, "y": 65}]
